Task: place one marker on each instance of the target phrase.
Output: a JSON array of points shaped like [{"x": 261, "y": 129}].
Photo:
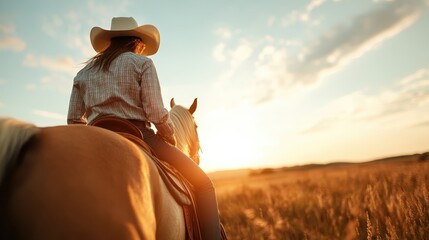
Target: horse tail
[{"x": 13, "y": 135}]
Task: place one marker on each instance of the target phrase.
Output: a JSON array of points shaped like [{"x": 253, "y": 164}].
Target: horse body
[
  {"x": 61, "y": 191},
  {"x": 82, "y": 182}
]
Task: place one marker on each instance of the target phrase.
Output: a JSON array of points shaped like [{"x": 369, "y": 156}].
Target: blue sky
[{"x": 278, "y": 82}]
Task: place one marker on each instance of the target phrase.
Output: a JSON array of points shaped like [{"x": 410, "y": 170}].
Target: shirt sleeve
[
  {"x": 76, "y": 107},
  {"x": 152, "y": 101}
]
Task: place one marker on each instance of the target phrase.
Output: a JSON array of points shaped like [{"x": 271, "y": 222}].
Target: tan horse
[{"x": 83, "y": 182}]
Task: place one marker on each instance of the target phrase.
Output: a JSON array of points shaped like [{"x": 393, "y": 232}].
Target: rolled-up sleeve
[
  {"x": 152, "y": 100},
  {"x": 76, "y": 107}
]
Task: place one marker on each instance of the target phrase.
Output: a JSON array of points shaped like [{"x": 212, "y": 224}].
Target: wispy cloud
[
  {"x": 108, "y": 9},
  {"x": 234, "y": 56},
  {"x": 68, "y": 29},
  {"x": 277, "y": 67},
  {"x": 234, "y": 52},
  {"x": 303, "y": 15},
  {"x": 336, "y": 48},
  {"x": 271, "y": 20},
  {"x": 47, "y": 114},
  {"x": 314, "y": 4},
  {"x": 72, "y": 26},
  {"x": 219, "y": 52},
  {"x": 57, "y": 82},
  {"x": 8, "y": 40},
  {"x": 61, "y": 64},
  {"x": 241, "y": 53},
  {"x": 7, "y": 29},
  {"x": 60, "y": 73},
  {"x": 224, "y": 33},
  {"x": 421, "y": 124},
  {"x": 410, "y": 94}
]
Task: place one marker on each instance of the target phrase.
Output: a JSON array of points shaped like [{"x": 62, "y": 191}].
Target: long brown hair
[{"x": 118, "y": 45}]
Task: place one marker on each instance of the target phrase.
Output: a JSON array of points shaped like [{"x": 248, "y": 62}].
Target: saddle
[{"x": 178, "y": 186}]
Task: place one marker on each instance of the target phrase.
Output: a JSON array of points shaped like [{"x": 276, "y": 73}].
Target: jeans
[{"x": 205, "y": 195}]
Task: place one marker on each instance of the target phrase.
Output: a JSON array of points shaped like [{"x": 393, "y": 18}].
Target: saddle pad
[
  {"x": 176, "y": 184},
  {"x": 181, "y": 190}
]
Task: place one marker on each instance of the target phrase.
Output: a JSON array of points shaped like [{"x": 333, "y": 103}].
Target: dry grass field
[{"x": 386, "y": 199}]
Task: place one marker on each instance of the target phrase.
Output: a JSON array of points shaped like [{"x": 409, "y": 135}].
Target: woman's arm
[
  {"x": 76, "y": 107},
  {"x": 153, "y": 104}
]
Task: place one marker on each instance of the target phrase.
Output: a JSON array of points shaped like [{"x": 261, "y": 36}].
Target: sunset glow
[{"x": 278, "y": 83}]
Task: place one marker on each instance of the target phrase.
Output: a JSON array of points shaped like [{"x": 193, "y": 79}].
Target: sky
[{"x": 279, "y": 83}]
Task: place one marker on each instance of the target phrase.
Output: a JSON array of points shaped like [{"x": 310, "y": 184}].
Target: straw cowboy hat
[{"x": 126, "y": 26}]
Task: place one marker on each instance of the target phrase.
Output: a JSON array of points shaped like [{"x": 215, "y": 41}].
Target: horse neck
[
  {"x": 182, "y": 127},
  {"x": 182, "y": 140}
]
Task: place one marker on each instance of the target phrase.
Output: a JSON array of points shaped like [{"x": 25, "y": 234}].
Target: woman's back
[{"x": 117, "y": 91}]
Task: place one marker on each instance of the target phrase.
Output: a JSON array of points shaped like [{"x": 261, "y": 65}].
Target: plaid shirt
[{"x": 130, "y": 90}]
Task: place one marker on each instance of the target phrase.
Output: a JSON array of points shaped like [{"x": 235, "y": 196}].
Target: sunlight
[
  {"x": 230, "y": 145},
  {"x": 228, "y": 149}
]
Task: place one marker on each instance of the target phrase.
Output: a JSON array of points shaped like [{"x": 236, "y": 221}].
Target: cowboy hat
[{"x": 126, "y": 26}]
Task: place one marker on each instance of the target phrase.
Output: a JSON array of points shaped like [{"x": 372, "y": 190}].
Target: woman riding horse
[
  {"x": 84, "y": 182},
  {"x": 121, "y": 81}
]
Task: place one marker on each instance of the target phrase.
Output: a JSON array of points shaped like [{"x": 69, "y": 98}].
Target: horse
[{"x": 85, "y": 182}]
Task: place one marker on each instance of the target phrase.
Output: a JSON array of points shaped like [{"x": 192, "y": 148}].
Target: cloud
[
  {"x": 336, "y": 48},
  {"x": 72, "y": 26},
  {"x": 52, "y": 25},
  {"x": 47, "y": 114},
  {"x": 233, "y": 52},
  {"x": 271, "y": 20},
  {"x": 421, "y": 124},
  {"x": 12, "y": 43},
  {"x": 57, "y": 82},
  {"x": 7, "y": 29},
  {"x": 106, "y": 9},
  {"x": 8, "y": 40},
  {"x": 314, "y": 4},
  {"x": 224, "y": 33},
  {"x": 261, "y": 70},
  {"x": 61, "y": 64},
  {"x": 270, "y": 74},
  {"x": 322, "y": 124},
  {"x": 409, "y": 95},
  {"x": 234, "y": 56},
  {"x": 241, "y": 53},
  {"x": 303, "y": 16},
  {"x": 67, "y": 28},
  {"x": 219, "y": 52},
  {"x": 61, "y": 72},
  {"x": 415, "y": 77}
]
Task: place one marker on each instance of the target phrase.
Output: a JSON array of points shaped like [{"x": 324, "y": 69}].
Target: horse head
[{"x": 186, "y": 129}]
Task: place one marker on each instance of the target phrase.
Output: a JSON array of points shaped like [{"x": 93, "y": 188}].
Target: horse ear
[
  {"x": 172, "y": 103},
  {"x": 193, "y": 106}
]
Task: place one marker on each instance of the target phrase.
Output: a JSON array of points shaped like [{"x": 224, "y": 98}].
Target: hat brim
[{"x": 149, "y": 34}]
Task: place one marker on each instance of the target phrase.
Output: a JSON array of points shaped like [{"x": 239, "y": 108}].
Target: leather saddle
[{"x": 178, "y": 186}]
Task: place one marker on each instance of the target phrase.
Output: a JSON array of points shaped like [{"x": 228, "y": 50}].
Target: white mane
[{"x": 186, "y": 133}]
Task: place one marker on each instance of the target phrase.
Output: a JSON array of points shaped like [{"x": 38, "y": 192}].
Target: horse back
[{"x": 79, "y": 182}]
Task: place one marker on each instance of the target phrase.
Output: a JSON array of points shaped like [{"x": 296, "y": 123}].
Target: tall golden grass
[{"x": 368, "y": 201}]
